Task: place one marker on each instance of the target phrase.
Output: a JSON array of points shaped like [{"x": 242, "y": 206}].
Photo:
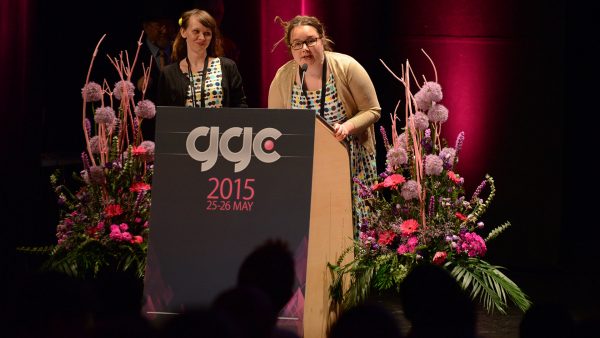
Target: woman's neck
[
  {"x": 196, "y": 60},
  {"x": 315, "y": 71}
]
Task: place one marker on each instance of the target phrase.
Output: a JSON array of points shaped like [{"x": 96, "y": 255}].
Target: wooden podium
[
  {"x": 331, "y": 227},
  {"x": 228, "y": 179}
]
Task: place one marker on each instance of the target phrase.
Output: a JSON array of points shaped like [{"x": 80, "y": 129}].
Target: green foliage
[{"x": 488, "y": 284}]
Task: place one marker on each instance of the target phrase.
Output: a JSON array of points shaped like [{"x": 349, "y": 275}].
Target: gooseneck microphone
[{"x": 303, "y": 69}]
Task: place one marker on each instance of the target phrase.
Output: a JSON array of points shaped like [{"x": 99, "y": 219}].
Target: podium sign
[{"x": 225, "y": 180}]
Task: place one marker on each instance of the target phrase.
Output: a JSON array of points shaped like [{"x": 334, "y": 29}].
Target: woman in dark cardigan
[{"x": 199, "y": 77}]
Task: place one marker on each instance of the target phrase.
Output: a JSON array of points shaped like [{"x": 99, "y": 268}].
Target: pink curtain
[
  {"x": 15, "y": 54},
  {"x": 272, "y": 32}
]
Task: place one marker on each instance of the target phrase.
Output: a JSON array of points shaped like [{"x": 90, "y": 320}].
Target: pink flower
[
  {"x": 386, "y": 237},
  {"x": 412, "y": 243},
  {"x": 408, "y": 227},
  {"x": 112, "y": 210},
  {"x": 140, "y": 186},
  {"x": 378, "y": 186},
  {"x": 440, "y": 257},
  {"x": 123, "y": 227},
  {"x": 137, "y": 239},
  {"x": 393, "y": 181},
  {"x": 453, "y": 177},
  {"x": 115, "y": 234},
  {"x": 100, "y": 226},
  {"x": 138, "y": 151},
  {"x": 472, "y": 244},
  {"x": 125, "y": 236},
  {"x": 461, "y": 216}
]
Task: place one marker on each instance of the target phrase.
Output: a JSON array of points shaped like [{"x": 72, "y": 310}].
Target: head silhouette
[
  {"x": 270, "y": 268},
  {"x": 366, "y": 320},
  {"x": 435, "y": 304}
]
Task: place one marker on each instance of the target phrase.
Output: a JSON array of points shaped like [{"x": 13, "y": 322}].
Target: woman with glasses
[
  {"x": 337, "y": 88},
  {"x": 199, "y": 76}
]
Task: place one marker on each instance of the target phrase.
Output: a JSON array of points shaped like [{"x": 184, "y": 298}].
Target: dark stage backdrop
[{"x": 502, "y": 65}]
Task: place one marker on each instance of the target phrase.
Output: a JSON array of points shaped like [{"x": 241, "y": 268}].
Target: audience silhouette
[
  {"x": 366, "y": 320},
  {"x": 270, "y": 268},
  {"x": 547, "y": 320},
  {"x": 435, "y": 305},
  {"x": 248, "y": 309}
]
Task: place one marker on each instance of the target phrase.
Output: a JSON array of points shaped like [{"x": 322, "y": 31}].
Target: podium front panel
[{"x": 225, "y": 180}]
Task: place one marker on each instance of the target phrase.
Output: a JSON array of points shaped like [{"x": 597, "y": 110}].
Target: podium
[{"x": 226, "y": 180}]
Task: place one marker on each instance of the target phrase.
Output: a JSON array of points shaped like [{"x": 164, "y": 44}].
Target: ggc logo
[{"x": 262, "y": 140}]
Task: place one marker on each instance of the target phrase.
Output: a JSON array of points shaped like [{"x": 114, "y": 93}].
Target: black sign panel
[{"x": 225, "y": 181}]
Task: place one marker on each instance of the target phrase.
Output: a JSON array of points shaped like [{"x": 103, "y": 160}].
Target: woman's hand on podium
[{"x": 342, "y": 130}]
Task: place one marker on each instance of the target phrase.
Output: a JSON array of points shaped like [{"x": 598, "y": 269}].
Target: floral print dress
[
  {"x": 213, "y": 91},
  {"x": 363, "y": 164}
]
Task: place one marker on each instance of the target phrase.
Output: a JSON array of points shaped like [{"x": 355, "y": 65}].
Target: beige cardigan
[{"x": 354, "y": 88}]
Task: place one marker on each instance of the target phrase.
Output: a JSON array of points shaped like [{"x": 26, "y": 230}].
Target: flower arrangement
[
  {"x": 421, "y": 214},
  {"x": 104, "y": 223}
]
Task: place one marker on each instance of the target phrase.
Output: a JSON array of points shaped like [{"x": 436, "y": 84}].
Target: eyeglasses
[{"x": 310, "y": 42}]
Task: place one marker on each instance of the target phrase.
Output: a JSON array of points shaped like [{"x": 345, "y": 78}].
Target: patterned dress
[
  {"x": 213, "y": 91},
  {"x": 362, "y": 164}
]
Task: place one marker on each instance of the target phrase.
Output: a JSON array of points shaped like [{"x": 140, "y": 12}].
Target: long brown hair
[
  {"x": 302, "y": 20},
  {"x": 214, "y": 49}
]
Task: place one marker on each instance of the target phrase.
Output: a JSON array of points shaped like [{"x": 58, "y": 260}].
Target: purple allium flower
[
  {"x": 91, "y": 92},
  {"x": 401, "y": 140},
  {"x": 447, "y": 155},
  {"x": 105, "y": 115},
  {"x": 423, "y": 102},
  {"x": 395, "y": 158},
  {"x": 97, "y": 174},
  {"x": 421, "y": 121},
  {"x": 438, "y": 113},
  {"x": 149, "y": 147},
  {"x": 410, "y": 189},
  {"x": 95, "y": 145},
  {"x": 433, "y": 91},
  {"x": 124, "y": 89},
  {"x": 145, "y": 109},
  {"x": 433, "y": 165}
]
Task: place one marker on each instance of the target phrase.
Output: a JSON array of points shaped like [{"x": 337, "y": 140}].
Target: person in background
[
  {"x": 199, "y": 76},
  {"x": 337, "y": 88},
  {"x": 154, "y": 54}
]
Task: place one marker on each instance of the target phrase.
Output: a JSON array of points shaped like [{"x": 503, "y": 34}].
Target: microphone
[{"x": 303, "y": 69}]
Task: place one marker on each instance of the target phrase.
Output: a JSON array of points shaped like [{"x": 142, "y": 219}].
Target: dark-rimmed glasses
[{"x": 310, "y": 42}]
